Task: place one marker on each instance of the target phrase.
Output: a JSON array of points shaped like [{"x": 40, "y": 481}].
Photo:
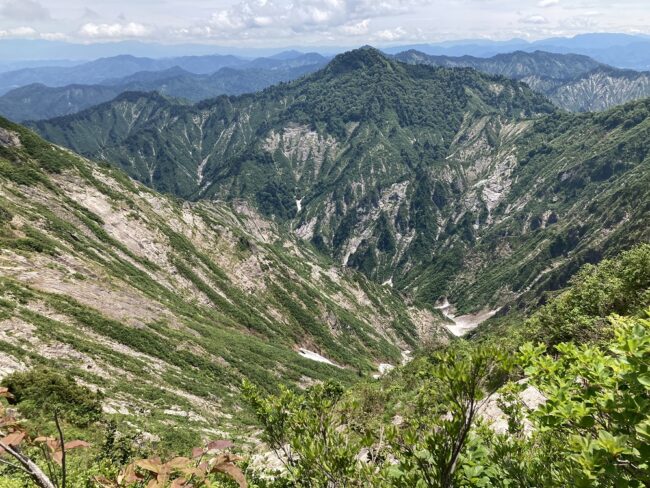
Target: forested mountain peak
[{"x": 412, "y": 174}]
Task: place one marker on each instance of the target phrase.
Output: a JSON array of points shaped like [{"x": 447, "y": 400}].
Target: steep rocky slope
[
  {"x": 440, "y": 182},
  {"x": 165, "y": 306},
  {"x": 573, "y": 82}
]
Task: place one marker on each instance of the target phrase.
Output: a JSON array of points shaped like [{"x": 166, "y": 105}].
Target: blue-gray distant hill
[{"x": 38, "y": 101}]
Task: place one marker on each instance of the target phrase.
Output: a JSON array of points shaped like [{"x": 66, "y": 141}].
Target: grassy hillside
[{"x": 165, "y": 306}]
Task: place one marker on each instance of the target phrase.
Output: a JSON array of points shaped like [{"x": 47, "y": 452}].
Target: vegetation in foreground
[{"x": 426, "y": 425}]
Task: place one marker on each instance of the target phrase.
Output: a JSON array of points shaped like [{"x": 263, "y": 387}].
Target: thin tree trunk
[{"x": 30, "y": 467}]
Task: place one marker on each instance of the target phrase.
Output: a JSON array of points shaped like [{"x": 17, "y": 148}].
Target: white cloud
[
  {"x": 24, "y": 10},
  {"x": 358, "y": 29},
  {"x": 111, "y": 31},
  {"x": 391, "y": 35},
  {"x": 349, "y": 16},
  {"x": 547, "y": 3},
  {"x": 53, "y": 36},
  {"x": 535, "y": 19},
  {"x": 19, "y": 32}
]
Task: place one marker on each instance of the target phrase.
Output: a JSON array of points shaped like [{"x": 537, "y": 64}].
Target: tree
[
  {"x": 457, "y": 385},
  {"x": 306, "y": 433},
  {"x": 598, "y": 401}
]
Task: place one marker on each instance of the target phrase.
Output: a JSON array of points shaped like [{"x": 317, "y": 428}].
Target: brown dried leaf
[
  {"x": 152, "y": 465},
  {"x": 104, "y": 482},
  {"x": 44, "y": 439},
  {"x": 52, "y": 444},
  {"x": 178, "y": 483},
  {"x": 4, "y": 392},
  {"x": 13, "y": 439},
  {"x": 76, "y": 445},
  {"x": 197, "y": 452},
  {"x": 58, "y": 457},
  {"x": 178, "y": 463},
  {"x": 219, "y": 445},
  {"x": 234, "y": 472},
  {"x": 128, "y": 476}
]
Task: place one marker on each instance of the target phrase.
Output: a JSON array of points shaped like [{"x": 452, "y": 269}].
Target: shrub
[{"x": 42, "y": 392}]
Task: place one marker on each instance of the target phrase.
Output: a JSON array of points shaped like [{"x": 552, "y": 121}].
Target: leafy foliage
[{"x": 41, "y": 392}]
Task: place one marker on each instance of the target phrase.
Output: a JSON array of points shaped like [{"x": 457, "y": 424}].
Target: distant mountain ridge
[
  {"x": 37, "y": 101},
  {"x": 620, "y": 50},
  {"x": 440, "y": 182},
  {"x": 574, "y": 82},
  {"x": 104, "y": 70}
]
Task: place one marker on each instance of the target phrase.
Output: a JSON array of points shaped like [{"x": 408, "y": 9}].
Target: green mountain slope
[
  {"x": 445, "y": 183},
  {"x": 165, "y": 306},
  {"x": 574, "y": 82}
]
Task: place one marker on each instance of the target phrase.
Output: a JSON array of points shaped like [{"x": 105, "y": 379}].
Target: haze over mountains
[
  {"x": 573, "y": 82},
  {"x": 620, "y": 50}
]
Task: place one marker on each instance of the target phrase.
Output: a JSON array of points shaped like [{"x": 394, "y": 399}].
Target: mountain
[
  {"x": 37, "y": 101},
  {"x": 620, "y": 50},
  {"x": 109, "y": 68},
  {"x": 117, "y": 69},
  {"x": 444, "y": 183},
  {"x": 600, "y": 89},
  {"x": 114, "y": 282},
  {"x": 574, "y": 82},
  {"x": 517, "y": 65}
]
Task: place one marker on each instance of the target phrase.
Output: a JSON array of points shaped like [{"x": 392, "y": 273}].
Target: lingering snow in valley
[
  {"x": 406, "y": 357},
  {"x": 299, "y": 204},
  {"x": 314, "y": 356},
  {"x": 462, "y": 324},
  {"x": 385, "y": 368}
]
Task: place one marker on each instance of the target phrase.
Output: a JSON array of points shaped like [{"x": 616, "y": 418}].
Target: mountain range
[
  {"x": 574, "y": 82},
  {"x": 111, "y": 70},
  {"x": 37, "y": 101},
  {"x": 292, "y": 267},
  {"x": 443, "y": 183},
  {"x": 620, "y": 50}
]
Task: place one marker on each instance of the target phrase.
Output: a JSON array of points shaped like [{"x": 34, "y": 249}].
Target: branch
[
  {"x": 62, "y": 444},
  {"x": 15, "y": 466},
  {"x": 29, "y": 466}
]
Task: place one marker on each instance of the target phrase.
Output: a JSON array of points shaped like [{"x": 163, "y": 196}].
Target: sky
[{"x": 267, "y": 23}]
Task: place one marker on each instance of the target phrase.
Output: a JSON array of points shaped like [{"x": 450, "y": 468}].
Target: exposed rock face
[
  {"x": 9, "y": 138},
  {"x": 149, "y": 297},
  {"x": 575, "y": 83},
  {"x": 438, "y": 182}
]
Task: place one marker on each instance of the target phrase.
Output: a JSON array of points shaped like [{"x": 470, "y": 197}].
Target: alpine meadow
[{"x": 324, "y": 243}]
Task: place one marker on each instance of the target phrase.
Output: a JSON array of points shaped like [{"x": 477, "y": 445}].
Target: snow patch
[
  {"x": 314, "y": 356},
  {"x": 462, "y": 324}
]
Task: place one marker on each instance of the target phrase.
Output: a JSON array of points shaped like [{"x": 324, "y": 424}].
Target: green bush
[{"x": 42, "y": 392}]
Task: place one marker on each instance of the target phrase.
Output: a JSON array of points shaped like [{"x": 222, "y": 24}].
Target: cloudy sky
[{"x": 337, "y": 22}]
